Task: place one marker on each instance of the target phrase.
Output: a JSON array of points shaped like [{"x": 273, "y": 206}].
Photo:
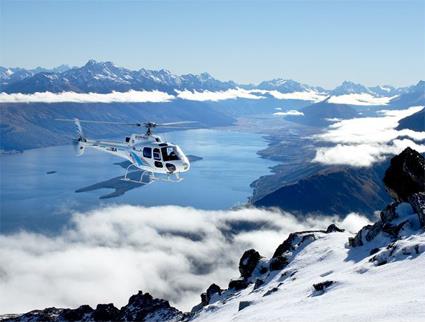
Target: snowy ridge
[{"x": 327, "y": 280}]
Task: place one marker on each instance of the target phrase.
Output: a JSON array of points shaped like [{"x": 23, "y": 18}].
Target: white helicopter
[{"x": 147, "y": 153}]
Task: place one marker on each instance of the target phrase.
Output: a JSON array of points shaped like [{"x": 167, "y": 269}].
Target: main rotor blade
[
  {"x": 100, "y": 122},
  {"x": 176, "y": 123}
]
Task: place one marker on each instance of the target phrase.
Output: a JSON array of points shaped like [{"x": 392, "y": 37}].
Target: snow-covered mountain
[
  {"x": 105, "y": 77},
  {"x": 375, "y": 274},
  {"x": 413, "y": 96},
  {"x": 288, "y": 86}
]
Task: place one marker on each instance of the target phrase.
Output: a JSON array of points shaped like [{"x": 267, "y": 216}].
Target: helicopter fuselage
[{"x": 146, "y": 152}]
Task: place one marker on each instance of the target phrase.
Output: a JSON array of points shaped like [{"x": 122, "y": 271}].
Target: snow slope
[{"x": 363, "y": 290}]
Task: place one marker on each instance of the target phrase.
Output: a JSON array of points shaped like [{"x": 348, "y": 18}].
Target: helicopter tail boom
[{"x": 80, "y": 142}]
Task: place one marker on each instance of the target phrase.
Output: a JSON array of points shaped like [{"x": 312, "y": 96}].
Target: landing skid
[{"x": 151, "y": 176}]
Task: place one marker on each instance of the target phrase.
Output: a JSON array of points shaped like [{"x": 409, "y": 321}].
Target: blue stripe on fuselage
[{"x": 136, "y": 159}]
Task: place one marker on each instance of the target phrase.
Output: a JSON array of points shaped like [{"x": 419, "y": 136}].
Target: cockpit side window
[
  {"x": 147, "y": 152},
  {"x": 156, "y": 154},
  {"x": 169, "y": 154}
]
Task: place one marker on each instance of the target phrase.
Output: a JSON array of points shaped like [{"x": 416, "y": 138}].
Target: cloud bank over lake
[
  {"x": 72, "y": 97},
  {"x": 108, "y": 254},
  {"x": 361, "y": 142}
]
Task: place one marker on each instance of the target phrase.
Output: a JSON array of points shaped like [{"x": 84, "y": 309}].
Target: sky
[{"x": 316, "y": 42}]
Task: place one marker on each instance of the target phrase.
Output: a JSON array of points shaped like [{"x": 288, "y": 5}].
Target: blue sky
[{"x": 317, "y": 42}]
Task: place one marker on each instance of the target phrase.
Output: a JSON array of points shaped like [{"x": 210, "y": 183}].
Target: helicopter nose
[{"x": 186, "y": 166}]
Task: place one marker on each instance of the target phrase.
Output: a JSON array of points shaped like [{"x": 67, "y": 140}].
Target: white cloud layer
[
  {"x": 360, "y": 142},
  {"x": 154, "y": 96},
  {"x": 290, "y": 112},
  {"x": 303, "y": 96},
  {"x": 72, "y": 97},
  {"x": 217, "y": 96},
  {"x": 360, "y": 99},
  {"x": 109, "y": 254}
]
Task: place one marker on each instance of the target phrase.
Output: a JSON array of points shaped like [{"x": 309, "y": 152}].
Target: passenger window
[
  {"x": 156, "y": 154},
  {"x": 147, "y": 152},
  {"x": 158, "y": 164}
]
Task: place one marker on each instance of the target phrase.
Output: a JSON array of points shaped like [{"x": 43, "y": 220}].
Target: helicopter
[{"x": 147, "y": 153}]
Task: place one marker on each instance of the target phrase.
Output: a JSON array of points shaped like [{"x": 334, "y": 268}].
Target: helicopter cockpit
[{"x": 164, "y": 152}]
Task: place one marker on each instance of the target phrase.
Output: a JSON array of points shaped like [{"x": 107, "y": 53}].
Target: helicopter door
[{"x": 157, "y": 158}]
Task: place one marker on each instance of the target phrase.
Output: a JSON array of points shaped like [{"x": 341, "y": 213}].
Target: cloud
[
  {"x": 155, "y": 96},
  {"x": 108, "y": 254},
  {"x": 217, "y": 96},
  {"x": 303, "y": 96},
  {"x": 72, "y": 97},
  {"x": 290, "y": 112},
  {"x": 360, "y": 99},
  {"x": 360, "y": 142}
]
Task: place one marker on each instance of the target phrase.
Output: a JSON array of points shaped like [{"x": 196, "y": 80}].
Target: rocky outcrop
[
  {"x": 322, "y": 285},
  {"x": 248, "y": 262},
  {"x": 106, "y": 312},
  {"x": 140, "y": 307},
  {"x": 417, "y": 201},
  {"x": 405, "y": 176},
  {"x": 404, "y": 181},
  {"x": 211, "y": 291},
  {"x": 332, "y": 228}
]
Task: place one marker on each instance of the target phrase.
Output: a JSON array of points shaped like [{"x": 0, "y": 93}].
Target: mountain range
[{"x": 105, "y": 77}]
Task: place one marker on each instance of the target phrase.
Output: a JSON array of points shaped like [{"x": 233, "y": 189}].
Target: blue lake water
[{"x": 31, "y": 199}]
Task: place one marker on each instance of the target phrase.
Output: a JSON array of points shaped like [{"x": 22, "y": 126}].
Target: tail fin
[
  {"x": 79, "y": 130},
  {"x": 79, "y": 143}
]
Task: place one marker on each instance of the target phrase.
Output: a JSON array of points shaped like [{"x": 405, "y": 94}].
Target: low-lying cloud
[
  {"x": 363, "y": 99},
  {"x": 72, "y": 97},
  {"x": 290, "y": 112},
  {"x": 155, "y": 96},
  {"x": 109, "y": 254},
  {"x": 216, "y": 96},
  {"x": 361, "y": 142},
  {"x": 302, "y": 96}
]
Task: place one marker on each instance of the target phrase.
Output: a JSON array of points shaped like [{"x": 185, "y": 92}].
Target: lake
[{"x": 38, "y": 188}]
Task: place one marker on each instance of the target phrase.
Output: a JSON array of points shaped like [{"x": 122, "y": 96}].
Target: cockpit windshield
[{"x": 170, "y": 153}]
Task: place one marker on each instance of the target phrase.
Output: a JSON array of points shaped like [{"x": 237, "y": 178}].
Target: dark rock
[
  {"x": 248, "y": 262},
  {"x": 76, "y": 314},
  {"x": 307, "y": 237},
  {"x": 274, "y": 289},
  {"x": 206, "y": 297},
  {"x": 237, "y": 285},
  {"x": 373, "y": 251},
  {"x": 106, "y": 312},
  {"x": 417, "y": 201},
  {"x": 333, "y": 228},
  {"x": 393, "y": 230},
  {"x": 389, "y": 212},
  {"x": 258, "y": 283},
  {"x": 244, "y": 304},
  {"x": 278, "y": 263},
  {"x": 46, "y": 315},
  {"x": 405, "y": 176},
  {"x": 323, "y": 285},
  {"x": 373, "y": 230},
  {"x": 263, "y": 270},
  {"x": 142, "y": 305},
  {"x": 285, "y": 246},
  {"x": 357, "y": 240}
]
